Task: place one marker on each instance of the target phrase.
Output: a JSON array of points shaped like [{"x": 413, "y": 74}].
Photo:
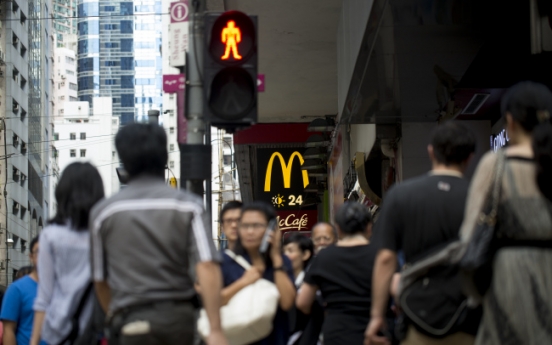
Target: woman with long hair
[
  {"x": 64, "y": 257},
  {"x": 343, "y": 274},
  {"x": 518, "y": 304},
  {"x": 271, "y": 265}
]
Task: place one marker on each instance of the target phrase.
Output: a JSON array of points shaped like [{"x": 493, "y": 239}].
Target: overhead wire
[{"x": 91, "y": 16}]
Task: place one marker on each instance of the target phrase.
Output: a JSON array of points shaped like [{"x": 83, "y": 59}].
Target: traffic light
[{"x": 230, "y": 69}]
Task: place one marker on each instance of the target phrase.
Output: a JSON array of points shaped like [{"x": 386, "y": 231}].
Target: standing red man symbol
[{"x": 231, "y": 36}]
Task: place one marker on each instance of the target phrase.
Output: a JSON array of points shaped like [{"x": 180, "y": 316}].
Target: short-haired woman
[
  {"x": 64, "y": 256},
  {"x": 272, "y": 266},
  {"x": 343, "y": 273}
]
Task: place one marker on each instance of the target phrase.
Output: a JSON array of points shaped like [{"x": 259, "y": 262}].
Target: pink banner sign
[
  {"x": 179, "y": 11},
  {"x": 173, "y": 83},
  {"x": 260, "y": 82}
]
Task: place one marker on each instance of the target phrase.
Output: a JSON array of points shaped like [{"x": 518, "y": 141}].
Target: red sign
[{"x": 297, "y": 220}]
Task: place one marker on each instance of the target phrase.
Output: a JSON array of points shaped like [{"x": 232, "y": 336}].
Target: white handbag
[{"x": 248, "y": 316}]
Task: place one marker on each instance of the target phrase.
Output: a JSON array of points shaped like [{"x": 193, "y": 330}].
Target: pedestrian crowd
[{"x": 446, "y": 261}]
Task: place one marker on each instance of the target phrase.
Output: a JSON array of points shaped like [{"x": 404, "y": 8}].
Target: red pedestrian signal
[
  {"x": 231, "y": 36},
  {"x": 230, "y": 69}
]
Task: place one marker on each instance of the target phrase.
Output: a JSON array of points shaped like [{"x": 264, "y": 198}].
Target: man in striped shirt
[{"x": 145, "y": 240}]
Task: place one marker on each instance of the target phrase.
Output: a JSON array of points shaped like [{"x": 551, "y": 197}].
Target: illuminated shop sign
[{"x": 499, "y": 140}]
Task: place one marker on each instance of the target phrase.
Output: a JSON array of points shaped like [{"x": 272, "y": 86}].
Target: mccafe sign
[{"x": 297, "y": 221}]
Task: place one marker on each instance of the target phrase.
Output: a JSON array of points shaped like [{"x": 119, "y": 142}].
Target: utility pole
[{"x": 195, "y": 155}]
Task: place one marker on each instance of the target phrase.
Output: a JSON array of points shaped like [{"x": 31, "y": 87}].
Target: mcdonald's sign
[{"x": 280, "y": 178}]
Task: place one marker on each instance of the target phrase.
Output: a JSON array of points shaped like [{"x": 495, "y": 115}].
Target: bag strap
[
  {"x": 238, "y": 259},
  {"x": 74, "y": 333}
]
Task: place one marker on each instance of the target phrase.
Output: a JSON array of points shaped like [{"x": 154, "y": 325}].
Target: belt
[{"x": 136, "y": 307}]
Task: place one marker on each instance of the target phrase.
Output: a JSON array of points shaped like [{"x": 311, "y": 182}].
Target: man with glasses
[
  {"x": 17, "y": 310},
  {"x": 323, "y": 235},
  {"x": 230, "y": 218}
]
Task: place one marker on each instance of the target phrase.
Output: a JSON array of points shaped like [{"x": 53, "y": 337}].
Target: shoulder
[{"x": 489, "y": 159}]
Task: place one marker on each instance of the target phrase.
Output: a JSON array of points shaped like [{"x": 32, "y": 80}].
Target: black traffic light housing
[{"x": 230, "y": 70}]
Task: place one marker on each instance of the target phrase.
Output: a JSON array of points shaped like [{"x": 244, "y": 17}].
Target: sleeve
[
  {"x": 311, "y": 276},
  {"x": 97, "y": 253},
  {"x": 289, "y": 268},
  {"x": 388, "y": 229},
  {"x": 477, "y": 194},
  {"x": 11, "y": 306},
  {"x": 46, "y": 274},
  {"x": 202, "y": 237}
]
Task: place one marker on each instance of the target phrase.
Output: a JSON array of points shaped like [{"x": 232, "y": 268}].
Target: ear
[
  {"x": 369, "y": 230},
  {"x": 430, "y": 152},
  {"x": 306, "y": 255}
]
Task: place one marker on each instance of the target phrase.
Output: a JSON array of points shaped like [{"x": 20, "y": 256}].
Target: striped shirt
[{"x": 144, "y": 241}]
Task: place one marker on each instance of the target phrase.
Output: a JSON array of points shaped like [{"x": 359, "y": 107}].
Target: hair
[
  {"x": 230, "y": 205},
  {"x": 143, "y": 149},
  {"x": 334, "y": 230},
  {"x": 23, "y": 271},
  {"x": 304, "y": 243},
  {"x": 33, "y": 242},
  {"x": 353, "y": 218},
  {"x": 530, "y": 105},
  {"x": 270, "y": 213},
  {"x": 452, "y": 143},
  {"x": 79, "y": 189}
]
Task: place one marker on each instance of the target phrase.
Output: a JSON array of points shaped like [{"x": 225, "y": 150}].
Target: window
[
  {"x": 73, "y": 153},
  {"x": 127, "y": 82},
  {"x": 23, "y": 51},
  {"x": 15, "y": 41},
  {"x": 126, "y": 26},
  {"x": 23, "y": 19},
  {"x": 23, "y": 114},
  {"x": 126, "y": 44},
  {"x": 15, "y": 106},
  {"x": 127, "y": 100},
  {"x": 73, "y": 86},
  {"x": 83, "y": 153},
  {"x": 109, "y": 8},
  {"x": 171, "y": 147},
  {"x": 56, "y": 136},
  {"x": 171, "y": 164},
  {"x": 111, "y": 45},
  {"x": 127, "y": 8},
  {"x": 73, "y": 136},
  {"x": 127, "y": 63},
  {"x": 61, "y": 98},
  {"x": 171, "y": 130},
  {"x": 83, "y": 136},
  {"x": 69, "y": 60},
  {"x": 73, "y": 99},
  {"x": 23, "y": 83},
  {"x": 69, "y": 72},
  {"x": 15, "y": 75}
]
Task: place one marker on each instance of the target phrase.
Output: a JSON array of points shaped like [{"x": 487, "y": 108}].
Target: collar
[
  {"x": 299, "y": 279},
  {"x": 146, "y": 180},
  {"x": 453, "y": 173}
]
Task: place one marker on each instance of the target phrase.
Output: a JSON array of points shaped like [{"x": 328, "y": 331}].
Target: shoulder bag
[
  {"x": 476, "y": 263},
  {"x": 249, "y": 315},
  {"x": 73, "y": 335},
  {"x": 431, "y": 296}
]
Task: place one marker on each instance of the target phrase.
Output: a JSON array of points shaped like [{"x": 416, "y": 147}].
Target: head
[
  {"x": 527, "y": 107},
  {"x": 143, "y": 149},
  {"x": 299, "y": 249},
  {"x": 452, "y": 145},
  {"x": 23, "y": 271},
  {"x": 353, "y": 218},
  {"x": 253, "y": 223},
  {"x": 230, "y": 218},
  {"x": 33, "y": 255},
  {"x": 80, "y": 187},
  {"x": 323, "y": 234}
]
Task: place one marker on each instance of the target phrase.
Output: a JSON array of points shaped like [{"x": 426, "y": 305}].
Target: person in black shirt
[
  {"x": 342, "y": 272},
  {"x": 418, "y": 215}
]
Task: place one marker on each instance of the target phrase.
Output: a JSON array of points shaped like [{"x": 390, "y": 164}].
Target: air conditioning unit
[{"x": 16, "y": 107}]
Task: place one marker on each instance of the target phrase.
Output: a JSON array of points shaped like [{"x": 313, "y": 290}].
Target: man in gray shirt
[{"x": 143, "y": 240}]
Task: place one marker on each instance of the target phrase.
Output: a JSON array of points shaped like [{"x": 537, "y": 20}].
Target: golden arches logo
[{"x": 286, "y": 170}]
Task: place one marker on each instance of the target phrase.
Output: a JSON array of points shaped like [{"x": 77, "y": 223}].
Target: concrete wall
[{"x": 416, "y": 137}]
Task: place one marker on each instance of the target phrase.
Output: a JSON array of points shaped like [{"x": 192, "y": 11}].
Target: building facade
[
  {"x": 25, "y": 54},
  {"x": 119, "y": 55},
  {"x": 65, "y": 80},
  {"x": 65, "y": 23}
]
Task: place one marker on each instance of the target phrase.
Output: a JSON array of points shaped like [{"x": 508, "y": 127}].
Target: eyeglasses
[
  {"x": 229, "y": 221},
  {"x": 254, "y": 226},
  {"x": 320, "y": 239}
]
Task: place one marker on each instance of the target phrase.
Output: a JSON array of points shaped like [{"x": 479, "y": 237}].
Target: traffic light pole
[{"x": 196, "y": 154}]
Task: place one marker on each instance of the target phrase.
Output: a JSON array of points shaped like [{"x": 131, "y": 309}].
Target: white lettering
[
  {"x": 291, "y": 222},
  {"x": 500, "y": 140}
]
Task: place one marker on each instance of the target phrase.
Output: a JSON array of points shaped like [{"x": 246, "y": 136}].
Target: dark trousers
[{"x": 161, "y": 323}]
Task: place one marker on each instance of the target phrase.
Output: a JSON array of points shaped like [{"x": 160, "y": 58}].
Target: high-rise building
[
  {"x": 25, "y": 57},
  {"x": 65, "y": 80},
  {"x": 119, "y": 55},
  {"x": 65, "y": 23}
]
